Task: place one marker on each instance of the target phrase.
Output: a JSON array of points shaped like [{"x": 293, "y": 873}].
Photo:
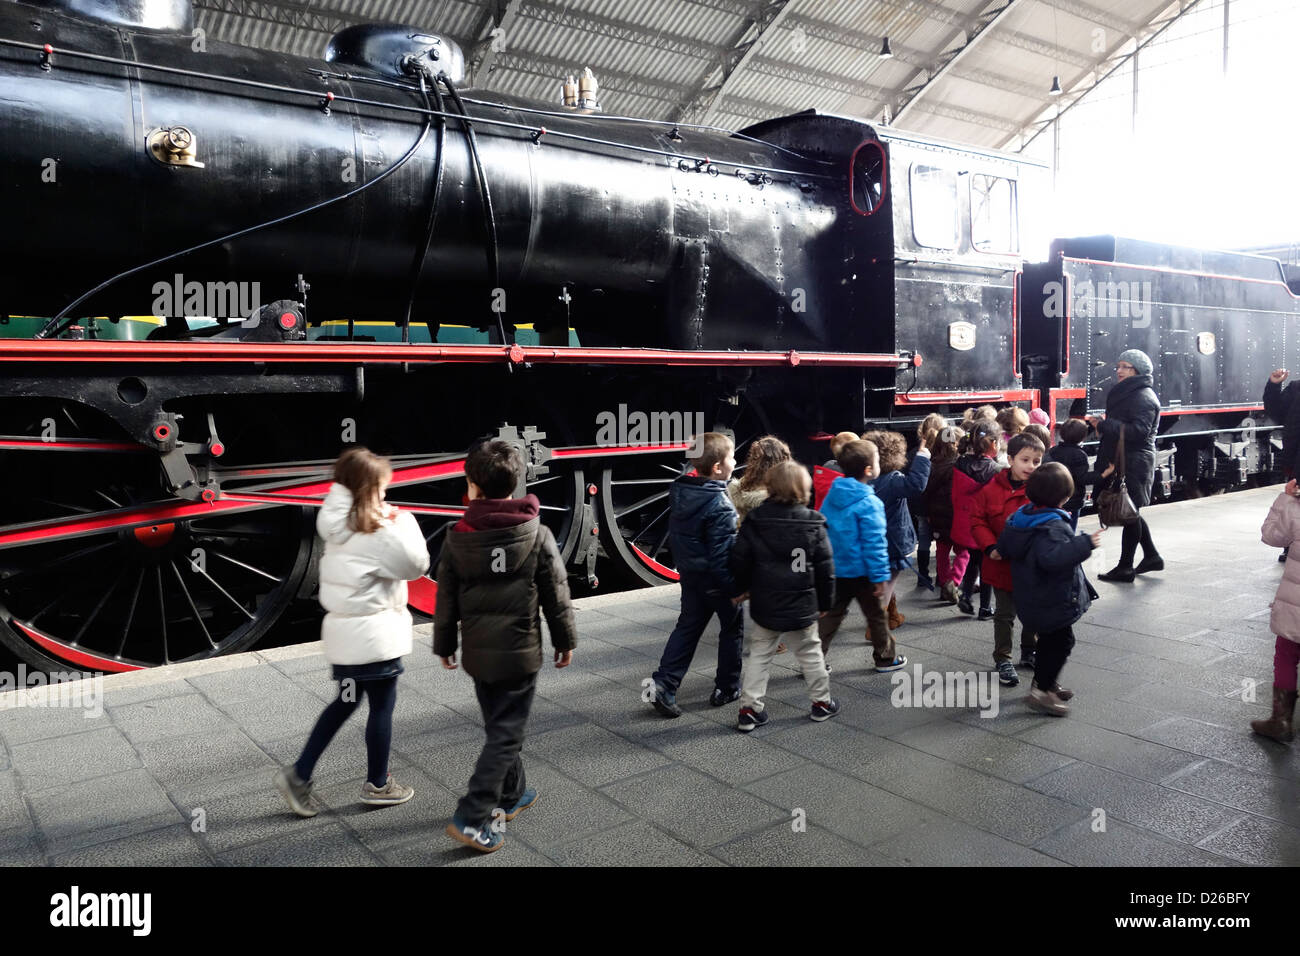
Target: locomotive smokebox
[
  {"x": 394, "y": 51},
  {"x": 157, "y": 16}
]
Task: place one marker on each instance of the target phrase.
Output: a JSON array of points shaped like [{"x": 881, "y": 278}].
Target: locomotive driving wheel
[
  {"x": 89, "y": 582},
  {"x": 634, "y": 497}
]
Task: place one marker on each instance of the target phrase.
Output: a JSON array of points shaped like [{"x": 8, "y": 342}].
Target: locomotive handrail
[{"x": 86, "y": 351}]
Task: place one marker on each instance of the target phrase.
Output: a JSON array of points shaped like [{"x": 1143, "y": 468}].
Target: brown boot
[
  {"x": 895, "y": 619},
  {"x": 1279, "y": 726}
]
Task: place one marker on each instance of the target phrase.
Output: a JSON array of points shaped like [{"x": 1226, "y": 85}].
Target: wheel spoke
[
  {"x": 663, "y": 539},
  {"x": 107, "y": 498},
  {"x": 130, "y": 616},
  {"x": 71, "y": 556},
  {"x": 180, "y": 579},
  {"x": 85, "y": 625},
  {"x": 162, "y": 613},
  {"x": 637, "y": 506},
  {"x": 647, "y": 527},
  {"x": 214, "y": 583},
  {"x": 437, "y": 531},
  {"x": 75, "y": 509},
  {"x": 247, "y": 567},
  {"x": 642, "y": 481}
]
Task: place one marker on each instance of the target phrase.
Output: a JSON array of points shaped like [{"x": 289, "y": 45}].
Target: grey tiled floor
[{"x": 1155, "y": 767}]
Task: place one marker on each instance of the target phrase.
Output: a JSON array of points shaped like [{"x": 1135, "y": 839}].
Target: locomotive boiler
[{"x": 356, "y": 249}]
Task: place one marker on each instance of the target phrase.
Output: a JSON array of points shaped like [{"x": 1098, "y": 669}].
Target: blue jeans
[
  {"x": 379, "y": 727},
  {"x": 699, "y": 604}
]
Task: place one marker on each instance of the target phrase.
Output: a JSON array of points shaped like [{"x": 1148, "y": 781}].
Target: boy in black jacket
[
  {"x": 1075, "y": 459},
  {"x": 499, "y": 572},
  {"x": 1051, "y": 592},
  {"x": 782, "y": 557},
  {"x": 702, "y": 528}
]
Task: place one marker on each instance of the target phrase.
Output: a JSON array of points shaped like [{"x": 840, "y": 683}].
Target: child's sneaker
[
  {"x": 719, "y": 697},
  {"x": 1063, "y": 692},
  {"x": 986, "y": 614},
  {"x": 482, "y": 838},
  {"x": 390, "y": 794},
  {"x": 898, "y": 663},
  {"x": 1028, "y": 659},
  {"x": 924, "y": 582},
  {"x": 1007, "y": 675},
  {"x": 824, "y": 709},
  {"x": 526, "y": 800},
  {"x": 964, "y": 604},
  {"x": 1046, "y": 702},
  {"x": 948, "y": 594},
  {"x": 297, "y": 793},
  {"x": 750, "y": 718},
  {"x": 666, "y": 703}
]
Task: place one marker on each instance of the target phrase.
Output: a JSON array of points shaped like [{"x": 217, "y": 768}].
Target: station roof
[{"x": 974, "y": 71}]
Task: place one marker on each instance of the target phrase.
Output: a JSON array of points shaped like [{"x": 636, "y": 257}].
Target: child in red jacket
[
  {"x": 824, "y": 475},
  {"x": 974, "y": 468},
  {"x": 991, "y": 507}
]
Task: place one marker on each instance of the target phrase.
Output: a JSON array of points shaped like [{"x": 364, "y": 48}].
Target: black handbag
[{"x": 1114, "y": 506}]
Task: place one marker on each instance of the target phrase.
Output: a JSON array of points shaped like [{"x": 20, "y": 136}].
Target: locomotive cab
[{"x": 956, "y": 262}]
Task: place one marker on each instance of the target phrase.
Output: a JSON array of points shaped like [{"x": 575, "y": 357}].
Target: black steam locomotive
[{"x": 440, "y": 263}]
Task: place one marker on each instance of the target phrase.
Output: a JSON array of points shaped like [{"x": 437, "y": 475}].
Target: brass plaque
[{"x": 961, "y": 336}]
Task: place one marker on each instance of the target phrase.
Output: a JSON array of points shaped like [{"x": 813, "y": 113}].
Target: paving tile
[
  {"x": 182, "y": 762},
  {"x": 952, "y": 843},
  {"x": 248, "y": 683},
  {"x": 13, "y": 811},
  {"x": 103, "y": 809},
  {"x": 20, "y": 725},
  {"x": 565, "y": 810},
  {"x": 721, "y": 751},
  {"x": 633, "y": 844},
  {"x": 276, "y": 717},
  {"x": 58, "y": 761},
  {"x": 592, "y": 755},
  {"x": 839, "y": 804},
  {"x": 1237, "y": 746},
  {"x": 21, "y": 847},
  {"x": 250, "y": 810},
  {"x": 168, "y": 717},
  {"x": 698, "y": 809},
  {"x": 116, "y": 696},
  {"x": 983, "y": 750},
  {"x": 1122, "y": 845},
  {"x": 1106, "y": 748},
  {"x": 1238, "y": 787},
  {"x": 1259, "y": 841},
  {"x": 327, "y": 845},
  {"x": 1225, "y": 711},
  {"x": 1167, "y": 812},
  {"x": 174, "y": 845},
  {"x": 783, "y": 845}
]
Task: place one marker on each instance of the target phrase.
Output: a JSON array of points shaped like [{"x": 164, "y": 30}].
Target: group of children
[
  {"x": 982, "y": 493},
  {"x": 970, "y": 489}
]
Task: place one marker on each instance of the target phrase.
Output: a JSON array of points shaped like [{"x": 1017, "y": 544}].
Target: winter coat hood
[{"x": 744, "y": 500}]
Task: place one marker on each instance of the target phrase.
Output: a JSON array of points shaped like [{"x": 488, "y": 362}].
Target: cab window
[
  {"x": 993, "y": 214},
  {"x": 934, "y": 206}
]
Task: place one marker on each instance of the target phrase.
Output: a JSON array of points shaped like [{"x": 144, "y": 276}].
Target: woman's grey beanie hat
[{"x": 1140, "y": 361}]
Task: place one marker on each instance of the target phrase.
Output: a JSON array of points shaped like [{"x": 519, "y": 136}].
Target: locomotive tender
[{"x": 444, "y": 263}]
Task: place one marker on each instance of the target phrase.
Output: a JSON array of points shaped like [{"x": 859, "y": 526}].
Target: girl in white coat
[
  {"x": 1282, "y": 530},
  {"x": 371, "y": 551}
]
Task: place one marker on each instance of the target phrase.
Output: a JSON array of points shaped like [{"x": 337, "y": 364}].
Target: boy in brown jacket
[{"x": 500, "y": 567}]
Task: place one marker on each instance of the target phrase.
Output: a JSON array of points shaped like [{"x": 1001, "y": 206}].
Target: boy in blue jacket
[
  {"x": 702, "y": 527},
  {"x": 855, "y": 523},
  {"x": 1050, "y": 589}
]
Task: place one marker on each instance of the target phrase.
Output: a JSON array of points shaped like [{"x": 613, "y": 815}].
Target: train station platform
[{"x": 1155, "y": 767}]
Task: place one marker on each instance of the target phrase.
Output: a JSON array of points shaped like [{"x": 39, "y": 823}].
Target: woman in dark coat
[{"x": 1132, "y": 409}]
